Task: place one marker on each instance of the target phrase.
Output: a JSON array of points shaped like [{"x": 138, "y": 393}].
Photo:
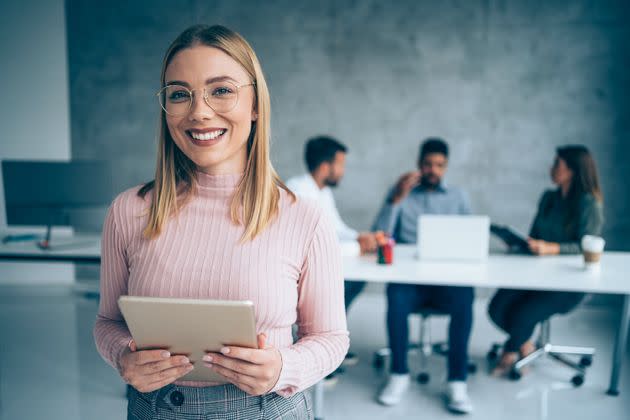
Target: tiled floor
[{"x": 49, "y": 368}]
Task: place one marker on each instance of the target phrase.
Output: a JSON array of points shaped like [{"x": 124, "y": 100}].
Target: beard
[
  {"x": 430, "y": 181},
  {"x": 331, "y": 182}
]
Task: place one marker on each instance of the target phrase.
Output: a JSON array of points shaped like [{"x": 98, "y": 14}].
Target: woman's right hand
[{"x": 148, "y": 370}]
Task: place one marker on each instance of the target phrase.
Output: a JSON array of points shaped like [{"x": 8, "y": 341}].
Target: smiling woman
[
  {"x": 218, "y": 223},
  {"x": 213, "y": 63},
  {"x": 215, "y": 78}
]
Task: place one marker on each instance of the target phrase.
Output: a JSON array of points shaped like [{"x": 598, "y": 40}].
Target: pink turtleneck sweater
[{"x": 291, "y": 271}]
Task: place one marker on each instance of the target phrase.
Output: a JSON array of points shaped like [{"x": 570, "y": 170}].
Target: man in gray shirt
[{"x": 416, "y": 193}]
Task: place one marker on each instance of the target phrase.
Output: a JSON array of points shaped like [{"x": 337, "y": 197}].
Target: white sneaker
[
  {"x": 396, "y": 386},
  {"x": 457, "y": 399}
]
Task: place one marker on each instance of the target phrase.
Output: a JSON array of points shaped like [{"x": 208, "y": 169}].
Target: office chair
[
  {"x": 425, "y": 347},
  {"x": 558, "y": 353}
]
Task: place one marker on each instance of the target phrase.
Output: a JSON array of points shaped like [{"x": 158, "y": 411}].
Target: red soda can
[{"x": 386, "y": 252}]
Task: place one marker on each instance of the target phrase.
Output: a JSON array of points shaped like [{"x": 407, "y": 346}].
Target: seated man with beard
[{"x": 423, "y": 192}]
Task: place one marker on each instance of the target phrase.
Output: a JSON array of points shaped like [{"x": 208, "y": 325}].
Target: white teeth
[{"x": 207, "y": 136}]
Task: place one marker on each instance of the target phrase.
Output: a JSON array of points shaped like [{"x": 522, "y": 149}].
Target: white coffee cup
[{"x": 592, "y": 249}]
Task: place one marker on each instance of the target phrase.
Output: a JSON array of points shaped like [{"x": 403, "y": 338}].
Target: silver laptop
[{"x": 453, "y": 237}]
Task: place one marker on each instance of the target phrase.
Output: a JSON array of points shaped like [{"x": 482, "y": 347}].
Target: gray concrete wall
[{"x": 504, "y": 82}]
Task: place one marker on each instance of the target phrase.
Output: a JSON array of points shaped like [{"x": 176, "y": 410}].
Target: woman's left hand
[
  {"x": 255, "y": 371},
  {"x": 540, "y": 247}
]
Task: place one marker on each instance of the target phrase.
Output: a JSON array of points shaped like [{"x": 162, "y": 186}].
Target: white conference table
[{"x": 511, "y": 271}]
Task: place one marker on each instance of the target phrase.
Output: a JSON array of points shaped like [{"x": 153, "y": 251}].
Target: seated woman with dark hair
[{"x": 564, "y": 216}]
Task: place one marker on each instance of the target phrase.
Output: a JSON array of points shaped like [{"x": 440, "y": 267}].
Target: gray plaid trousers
[{"x": 223, "y": 402}]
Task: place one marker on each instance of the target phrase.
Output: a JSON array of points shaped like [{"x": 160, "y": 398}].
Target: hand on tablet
[
  {"x": 148, "y": 370},
  {"x": 254, "y": 371},
  {"x": 540, "y": 247}
]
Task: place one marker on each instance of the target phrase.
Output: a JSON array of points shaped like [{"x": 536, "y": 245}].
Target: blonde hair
[{"x": 256, "y": 197}]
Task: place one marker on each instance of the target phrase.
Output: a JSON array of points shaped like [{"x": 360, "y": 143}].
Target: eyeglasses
[{"x": 221, "y": 96}]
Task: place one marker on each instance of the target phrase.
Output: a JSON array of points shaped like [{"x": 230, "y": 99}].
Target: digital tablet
[
  {"x": 514, "y": 240},
  {"x": 189, "y": 327}
]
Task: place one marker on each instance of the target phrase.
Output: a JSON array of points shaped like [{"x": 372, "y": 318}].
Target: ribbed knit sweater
[{"x": 291, "y": 271}]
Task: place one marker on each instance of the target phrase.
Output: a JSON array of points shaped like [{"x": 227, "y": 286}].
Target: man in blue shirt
[{"x": 415, "y": 193}]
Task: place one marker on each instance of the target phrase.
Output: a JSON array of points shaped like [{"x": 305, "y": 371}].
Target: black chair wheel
[
  {"x": 492, "y": 355},
  {"x": 378, "y": 362},
  {"x": 586, "y": 361},
  {"x": 423, "y": 378},
  {"x": 577, "y": 380},
  {"x": 472, "y": 368},
  {"x": 515, "y": 375}
]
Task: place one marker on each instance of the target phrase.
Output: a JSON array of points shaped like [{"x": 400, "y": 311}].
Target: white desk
[
  {"x": 78, "y": 248},
  {"x": 560, "y": 273}
]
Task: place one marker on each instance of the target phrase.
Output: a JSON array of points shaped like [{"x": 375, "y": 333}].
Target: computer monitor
[{"x": 54, "y": 193}]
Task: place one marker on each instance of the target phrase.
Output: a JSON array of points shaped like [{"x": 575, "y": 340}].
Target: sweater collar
[{"x": 225, "y": 182}]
